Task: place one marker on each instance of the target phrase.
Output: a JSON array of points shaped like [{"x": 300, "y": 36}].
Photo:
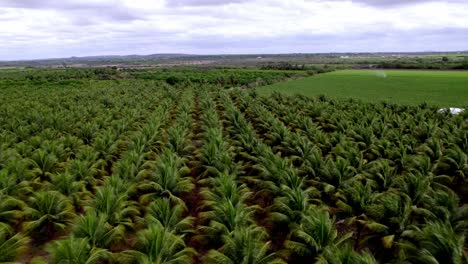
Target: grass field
[{"x": 444, "y": 88}]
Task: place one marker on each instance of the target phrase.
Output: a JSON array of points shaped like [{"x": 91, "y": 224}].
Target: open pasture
[{"x": 442, "y": 88}]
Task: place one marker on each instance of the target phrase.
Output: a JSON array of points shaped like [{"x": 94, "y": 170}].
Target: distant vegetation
[
  {"x": 173, "y": 76},
  {"x": 298, "y": 61},
  {"x": 223, "y": 77},
  {"x": 429, "y": 62}
]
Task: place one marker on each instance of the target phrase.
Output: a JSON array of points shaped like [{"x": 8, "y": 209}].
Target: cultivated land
[
  {"x": 443, "y": 88},
  {"x": 120, "y": 166}
]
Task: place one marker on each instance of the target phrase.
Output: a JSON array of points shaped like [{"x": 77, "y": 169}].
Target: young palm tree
[
  {"x": 382, "y": 174},
  {"x": 12, "y": 184},
  {"x": 11, "y": 244},
  {"x": 393, "y": 212},
  {"x": 107, "y": 146},
  {"x": 132, "y": 166},
  {"x": 43, "y": 164},
  {"x": 309, "y": 155},
  {"x": 47, "y": 213},
  {"x": 215, "y": 154},
  {"x": 314, "y": 236},
  {"x": 349, "y": 151},
  {"x": 225, "y": 217},
  {"x": 455, "y": 164},
  {"x": 87, "y": 132},
  {"x": 168, "y": 177},
  {"x": 11, "y": 209},
  {"x": 292, "y": 205},
  {"x": 276, "y": 169},
  {"x": 158, "y": 245},
  {"x": 75, "y": 251},
  {"x": 345, "y": 255},
  {"x": 432, "y": 148},
  {"x": 71, "y": 145},
  {"x": 435, "y": 243},
  {"x": 417, "y": 186},
  {"x": 84, "y": 170},
  {"x": 55, "y": 148},
  {"x": 113, "y": 202},
  {"x": 169, "y": 216},
  {"x": 68, "y": 185},
  {"x": 336, "y": 173},
  {"x": 446, "y": 207},
  {"x": 94, "y": 227},
  {"x": 244, "y": 245},
  {"x": 357, "y": 198},
  {"x": 139, "y": 144},
  {"x": 224, "y": 187},
  {"x": 178, "y": 141}
]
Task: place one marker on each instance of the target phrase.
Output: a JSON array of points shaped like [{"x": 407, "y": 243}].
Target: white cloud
[{"x": 40, "y": 29}]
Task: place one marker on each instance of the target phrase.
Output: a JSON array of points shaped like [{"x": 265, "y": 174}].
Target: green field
[{"x": 444, "y": 88}]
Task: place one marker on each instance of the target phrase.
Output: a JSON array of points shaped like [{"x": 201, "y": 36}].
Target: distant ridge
[
  {"x": 182, "y": 59},
  {"x": 133, "y": 56},
  {"x": 106, "y": 57}
]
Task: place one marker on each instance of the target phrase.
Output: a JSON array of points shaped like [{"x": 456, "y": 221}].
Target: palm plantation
[{"x": 146, "y": 172}]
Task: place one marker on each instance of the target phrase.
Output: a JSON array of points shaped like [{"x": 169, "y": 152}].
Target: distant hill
[
  {"x": 104, "y": 60},
  {"x": 179, "y": 59},
  {"x": 131, "y": 57}
]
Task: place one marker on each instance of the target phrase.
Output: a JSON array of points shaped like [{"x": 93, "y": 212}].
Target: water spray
[{"x": 381, "y": 74}]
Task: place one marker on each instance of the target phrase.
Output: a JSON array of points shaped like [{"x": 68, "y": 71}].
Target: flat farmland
[{"x": 443, "y": 88}]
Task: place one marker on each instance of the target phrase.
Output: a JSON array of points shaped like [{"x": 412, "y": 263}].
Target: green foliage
[
  {"x": 139, "y": 171},
  {"x": 94, "y": 227},
  {"x": 11, "y": 244},
  {"x": 75, "y": 250},
  {"x": 48, "y": 212},
  {"x": 169, "y": 216},
  {"x": 159, "y": 245},
  {"x": 245, "y": 245},
  {"x": 314, "y": 235}
]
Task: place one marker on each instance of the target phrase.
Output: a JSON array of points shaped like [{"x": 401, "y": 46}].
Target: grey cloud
[
  {"x": 100, "y": 28},
  {"x": 56, "y": 4},
  {"x": 107, "y": 9},
  {"x": 395, "y": 3},
  {"x": 392, "y": 40},
  {"x": 139, "y": 42},
  {"x": 202, "y": 2}
]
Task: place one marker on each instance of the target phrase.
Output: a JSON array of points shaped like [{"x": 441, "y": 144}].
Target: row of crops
[
  {"x": 174, "y": 76},
  {"x": 149, "y": 173}
]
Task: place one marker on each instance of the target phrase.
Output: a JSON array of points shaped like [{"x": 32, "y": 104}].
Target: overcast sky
[{"x": 31, "y": 29}]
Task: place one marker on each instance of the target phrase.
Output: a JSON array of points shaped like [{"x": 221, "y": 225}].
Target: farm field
[
  {"x": 443, "y": 88},
  {"x": 140, "y": 171}
]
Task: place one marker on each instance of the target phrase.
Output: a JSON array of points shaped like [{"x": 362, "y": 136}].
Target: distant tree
[
  {"x": 172, "y": 80},
  {"x": 445, "y": 59}
]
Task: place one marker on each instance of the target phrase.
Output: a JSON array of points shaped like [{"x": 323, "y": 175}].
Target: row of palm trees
[
  {"x": 375, "y": 184},
  {"x": 44, "y": 176},
  {"x": 165, "y": 224},
  {"x": 293, "y": 210},
  {"x": 61, "y": 174},
  {"x": 140, "y": 200},
  {"x": 229, "y": 229}
]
